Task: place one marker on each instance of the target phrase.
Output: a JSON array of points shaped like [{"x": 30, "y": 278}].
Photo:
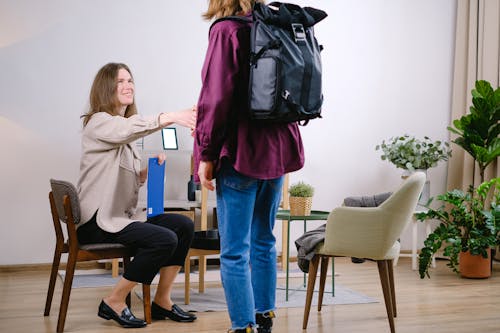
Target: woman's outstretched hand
[{"x": 185, "y": 117}]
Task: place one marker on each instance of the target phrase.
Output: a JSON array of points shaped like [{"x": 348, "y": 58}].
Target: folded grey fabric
[
  {"x": 306, "y": 244},
  {"x": 367, "y": 201}
]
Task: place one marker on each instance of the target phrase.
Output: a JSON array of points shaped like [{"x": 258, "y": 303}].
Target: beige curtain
[{"x": 477, "y": 57}]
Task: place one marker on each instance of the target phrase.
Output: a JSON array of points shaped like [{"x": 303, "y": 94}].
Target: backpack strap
[
  {"x": 242, "y": 19},
  {"x": 273, "y": 44}
]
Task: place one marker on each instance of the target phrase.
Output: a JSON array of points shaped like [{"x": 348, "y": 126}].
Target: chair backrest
[
  {"x": 401, "y": 205},
  {"x": 372, "y": 232},
  {"x": 60, "y": 189}
]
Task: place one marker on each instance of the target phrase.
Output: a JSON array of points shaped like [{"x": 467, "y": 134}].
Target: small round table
[{"x": 284, "y": 214}]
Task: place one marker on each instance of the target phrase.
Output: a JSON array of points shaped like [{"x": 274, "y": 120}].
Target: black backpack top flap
[{"x": 287, "y": 13}]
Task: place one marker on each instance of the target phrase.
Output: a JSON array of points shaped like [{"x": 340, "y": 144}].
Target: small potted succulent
[{"x": 300, "y": 198}]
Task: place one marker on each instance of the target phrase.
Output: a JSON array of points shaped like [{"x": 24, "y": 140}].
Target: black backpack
[{"x": 285, "y": 63}]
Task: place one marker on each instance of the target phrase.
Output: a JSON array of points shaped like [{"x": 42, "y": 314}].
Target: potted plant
[
  {"x": 478, "y": 131},
  {"x": 300, "y": 198},
  {"x": 469, "y": 224},
  {"x": 409, "y": 153}
]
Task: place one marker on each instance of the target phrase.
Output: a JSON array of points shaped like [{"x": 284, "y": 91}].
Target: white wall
[{"x": 387, "y": 71}]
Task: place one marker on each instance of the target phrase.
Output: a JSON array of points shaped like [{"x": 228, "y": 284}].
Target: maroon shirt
[{"x": 223, "y": 129}]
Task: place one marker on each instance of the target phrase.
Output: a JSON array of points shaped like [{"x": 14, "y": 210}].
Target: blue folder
[{"x": 155, "y": 187}]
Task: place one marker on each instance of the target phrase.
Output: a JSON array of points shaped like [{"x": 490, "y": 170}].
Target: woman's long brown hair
[
  {"x": 220, "y": 8},
  {"x": 103, "y": 93}
]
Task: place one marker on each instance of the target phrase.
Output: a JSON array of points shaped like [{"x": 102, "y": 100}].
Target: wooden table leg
[{"x": 115, "y": 267}]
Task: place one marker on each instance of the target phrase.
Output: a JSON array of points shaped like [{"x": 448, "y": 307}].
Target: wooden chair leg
[
  {"x": 115, "y": 268},
  {"x": 187, "y": 271},
  {"x": 146, "y": 297},
  {"x": 311, "y": 281},
  {"x": 68, "y": 281},
  {"x": 52, "y": 281},
  {"x": 386, "y": 288},
  {"x": 390, "y": 268},
  {"x": 322, "y": 280},
  {"x": 202, "y": 267}
]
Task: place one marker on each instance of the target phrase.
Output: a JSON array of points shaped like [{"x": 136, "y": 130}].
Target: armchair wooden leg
[
  {"x": 390, "y": 268},
  {"x": 322, "y": 280},
  {"x": 146, "y": 297},
  {"x": 386, "y": 288},
  {"x": 52, "y": 281},
  {"x": 311, "y": 280},
  {"x": 68, "y": 281}
]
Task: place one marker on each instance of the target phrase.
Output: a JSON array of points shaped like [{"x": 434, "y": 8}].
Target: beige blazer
[{"x": 110, "y": 167}]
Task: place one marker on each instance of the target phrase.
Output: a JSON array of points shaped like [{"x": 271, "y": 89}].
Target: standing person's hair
[
  {"x": 222, "y": 8},
  {"x": 103, "y": 96}
]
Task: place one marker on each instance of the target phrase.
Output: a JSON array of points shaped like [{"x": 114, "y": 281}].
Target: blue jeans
[{"x": 246, "y": 211}]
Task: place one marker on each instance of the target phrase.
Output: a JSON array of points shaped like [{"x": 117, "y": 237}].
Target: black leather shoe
[
  {"x": 126, "y": 319},
  {"x": 176, "y": 314}
]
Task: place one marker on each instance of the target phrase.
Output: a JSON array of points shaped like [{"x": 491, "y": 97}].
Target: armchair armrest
[{"x": 364, "y": 232}]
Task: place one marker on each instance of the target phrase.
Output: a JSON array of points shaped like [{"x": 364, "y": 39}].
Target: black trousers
[{"x": 162, "y": 240}]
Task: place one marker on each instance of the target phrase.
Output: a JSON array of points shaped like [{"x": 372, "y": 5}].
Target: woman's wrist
[{"x": 165, "y": 119}]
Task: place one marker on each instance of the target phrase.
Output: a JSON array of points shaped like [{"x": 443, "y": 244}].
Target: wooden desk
[{"x": 167, "y": 204}]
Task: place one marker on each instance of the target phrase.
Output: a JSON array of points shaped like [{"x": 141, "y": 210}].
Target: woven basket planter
[{"x": 300, "y": 206}]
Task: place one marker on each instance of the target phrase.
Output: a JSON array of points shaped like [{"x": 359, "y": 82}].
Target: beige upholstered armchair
[{"x": 370, "y": 233}]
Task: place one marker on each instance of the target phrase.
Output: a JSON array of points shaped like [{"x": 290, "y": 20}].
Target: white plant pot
[{"x": 426, "y": 191}]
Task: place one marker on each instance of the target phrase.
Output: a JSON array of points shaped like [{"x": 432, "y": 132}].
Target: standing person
[
  {"x": 110, "y": 177},
  {"x": 248, "y": 160}
]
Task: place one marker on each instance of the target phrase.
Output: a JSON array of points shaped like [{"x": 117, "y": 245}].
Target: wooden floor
[{"x": 445, "y": 303}]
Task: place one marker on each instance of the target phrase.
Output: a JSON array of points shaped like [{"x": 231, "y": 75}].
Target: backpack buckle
[{"x": 298, "y": 32}]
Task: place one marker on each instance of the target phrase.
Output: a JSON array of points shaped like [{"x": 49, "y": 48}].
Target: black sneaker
[{"x": 265, "y": 321}]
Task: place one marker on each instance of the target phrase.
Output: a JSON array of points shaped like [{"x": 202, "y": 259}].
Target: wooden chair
[
  {"x": 65, "y": 208},
  {"x": 370, "y": 233},
  {"x": 200, "y": 250}
]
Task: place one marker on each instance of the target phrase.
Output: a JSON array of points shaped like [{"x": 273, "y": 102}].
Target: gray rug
[
  {"x": 90, "y": 280},
  {"x": 102, "y": 277},
  {"x": 213, "y": 297}
]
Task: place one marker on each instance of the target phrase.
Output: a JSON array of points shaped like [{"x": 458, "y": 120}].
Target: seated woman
[{"x": 110, "y": 177}]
